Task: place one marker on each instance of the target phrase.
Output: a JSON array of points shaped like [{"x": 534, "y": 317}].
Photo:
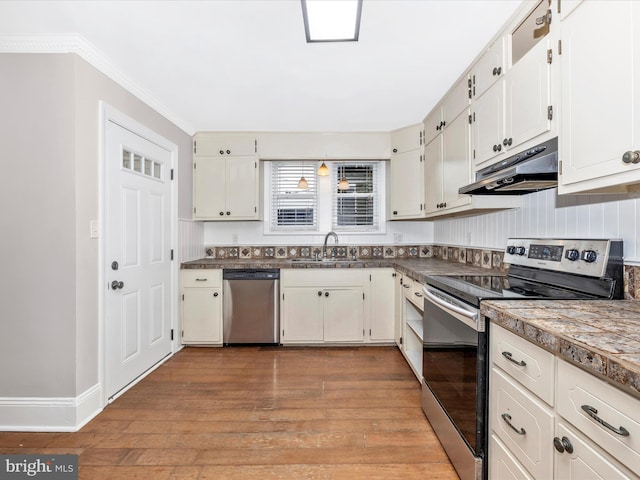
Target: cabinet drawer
[
  {"x": 202, "y": 278},
  {"x": 510, "y": 352},
  {"x": 579, "y": 391},
  {"x": 322, "y": 277},
  {"x": 407, "y": 288},
  {"x": 523, "y": 424},
  {"x": 502, "y": 464},
  {"x": 417, "y": 296}
]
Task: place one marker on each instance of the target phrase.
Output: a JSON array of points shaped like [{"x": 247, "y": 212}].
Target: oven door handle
[{"x": 450, "y": 306}]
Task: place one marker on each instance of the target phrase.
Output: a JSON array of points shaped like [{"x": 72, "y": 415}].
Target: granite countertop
[
  {"x": 417, "y": 268},
  {"x": 601, "y": 336}
]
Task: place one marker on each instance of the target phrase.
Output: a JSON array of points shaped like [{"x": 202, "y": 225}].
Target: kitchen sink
[{"x": 323, "y": 260}]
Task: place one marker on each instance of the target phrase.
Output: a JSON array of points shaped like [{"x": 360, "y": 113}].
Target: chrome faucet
[{"x": 326, "y": 238}]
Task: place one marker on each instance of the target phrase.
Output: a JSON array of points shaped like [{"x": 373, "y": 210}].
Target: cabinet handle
[
  {"x": 507, "y": 142},
  {"x": 631, "y": 157},
  {"x": 562, "y": 445},
  {"x": 497, "y": 70},
  {"x": 592, "y": 412},
  {"x": 406, "y": 286},
  {"x": 417, "y": 294},
  {"x": 495, "y": 148},
  {"x": 319, "y": 294},
  {"x": 509, "y": 357},
  {"x": 215, "y": 294},
  {"x": 201, "y": 279},
  {"x": 507, "y": 418},
  {"x": 326, "y": 294}
]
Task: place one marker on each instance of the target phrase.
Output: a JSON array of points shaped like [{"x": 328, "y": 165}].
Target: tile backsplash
[{"x": 485, "y": 258}]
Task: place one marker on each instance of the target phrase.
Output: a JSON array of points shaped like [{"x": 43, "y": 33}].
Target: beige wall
[{"x": 49, "y": 287}]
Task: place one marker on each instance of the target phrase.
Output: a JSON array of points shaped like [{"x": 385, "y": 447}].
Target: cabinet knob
[
  {"x": 507, "y": 142},
  {"x": 395, "y": 212},
  {"x": 631, "y": 157},
  {"x": 319, "y": 294},
  {"x": 215, "y": 294},
  {"x": 326, "y": 294},
  {"x": 228, "y": 213},
  {"x": 495, "y": 148},
  {"x": 395, "y": 150},
  {"x": 228, "y": 152},
  {"x": 497, "y": 70},
  {"x": 221, "y": 213},
  {"x": 562, "y": 445},
  {"x": 221, "y": 152}
]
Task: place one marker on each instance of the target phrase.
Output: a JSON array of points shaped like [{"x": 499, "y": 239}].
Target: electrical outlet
[{"x": 93, "y": 229}]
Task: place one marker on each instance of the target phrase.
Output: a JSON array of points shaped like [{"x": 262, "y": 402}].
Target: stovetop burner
[{"x": 553, "y": 269}]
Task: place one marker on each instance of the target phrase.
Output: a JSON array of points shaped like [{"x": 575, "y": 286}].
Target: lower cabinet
[
  {"x": 336, "y": 306},
  {"x": 201, "y": 307},
  {"x": 409, "y": 322},
  {"x": 551, "y": 419}
]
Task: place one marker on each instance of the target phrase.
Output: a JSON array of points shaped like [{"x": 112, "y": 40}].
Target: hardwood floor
[{"x": 259, "y": 412}]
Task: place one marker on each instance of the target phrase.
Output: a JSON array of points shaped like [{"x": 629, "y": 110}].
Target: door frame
[{"x": 110, "y": 114}]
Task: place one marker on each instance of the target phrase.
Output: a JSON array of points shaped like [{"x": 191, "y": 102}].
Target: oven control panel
[{"x": 577, "y": 256}]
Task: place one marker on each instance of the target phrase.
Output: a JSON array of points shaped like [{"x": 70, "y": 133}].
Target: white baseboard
[{"x": 59, "y": 414}]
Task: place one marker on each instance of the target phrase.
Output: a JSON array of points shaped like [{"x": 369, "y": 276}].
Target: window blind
[
  {"x": 291, "y": 207},
  {"x": 357, "y": 208}
]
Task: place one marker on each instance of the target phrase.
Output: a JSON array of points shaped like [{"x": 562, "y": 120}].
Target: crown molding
[{"x": 75, "y": 43}]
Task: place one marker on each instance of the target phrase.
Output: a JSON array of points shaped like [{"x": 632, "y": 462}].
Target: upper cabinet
[
  {"x": 488, "y": 69},
  {"x": 407, "y": 173},
  {"x": 225, "y": 177},
  {"x": 600, "y": 133},
  {"x": 456, "y": 100}
]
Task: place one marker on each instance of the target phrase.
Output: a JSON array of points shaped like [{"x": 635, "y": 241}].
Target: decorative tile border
[{"x": 489, "y": 259}]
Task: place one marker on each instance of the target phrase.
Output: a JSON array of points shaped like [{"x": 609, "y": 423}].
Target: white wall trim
[
  {"x": 75, "y": 43},
  {"x": 52, "y": 414}
]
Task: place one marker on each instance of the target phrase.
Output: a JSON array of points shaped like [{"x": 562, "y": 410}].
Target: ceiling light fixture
[
  {"x": 302, "y": 183},
  {"x": 331, "y": 20},
  {"x": 343, "y": 184},
  {"x": 323, "y": 171}
]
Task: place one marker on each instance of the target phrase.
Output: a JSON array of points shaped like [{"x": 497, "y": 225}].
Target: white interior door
[{"x": 137, "y": 256}]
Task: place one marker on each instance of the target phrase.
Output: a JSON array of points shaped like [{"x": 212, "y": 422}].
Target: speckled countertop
[
  {"x": 601, "y": 336},
  {"x": 417, "y": 269}
]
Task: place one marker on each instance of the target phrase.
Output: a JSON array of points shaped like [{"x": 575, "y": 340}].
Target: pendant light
[
  {"x": 343, "y": 184},
  {"x": 323, "y": 171},
  {"x": 302, "y": 183}
]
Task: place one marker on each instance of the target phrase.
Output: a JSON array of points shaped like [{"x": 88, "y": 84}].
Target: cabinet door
[
  {"x": 406, "y": 139},
  {"x": 585, "y": 462},
  {"x": 202, "y": 316},
  {"x": 398, "y": 321},
  {"x": 488, "y": 69},
  {"x": 487, "y": 127},
  {"x": 527, "y": 97},
  {"x": 407, "y": 185},
  {"x": 455, "y": 102},
  {"x": 455, "y": 162},
  {"x": 220, "y": 144},
  {"x": 433, "y": 175},
  {"x": 433, "y": 124},
  {"x": 209, "y": 187},
  {"x": 302, "y": 317},
  {"x": 242, "y": 188},
  {"x": 599, "y": 86},
  {"x": 382, "y": 305},
  {"x": 343, "y": 315}
]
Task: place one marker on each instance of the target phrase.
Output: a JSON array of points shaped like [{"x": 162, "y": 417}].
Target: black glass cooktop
[{"x": 474, "y": 288}]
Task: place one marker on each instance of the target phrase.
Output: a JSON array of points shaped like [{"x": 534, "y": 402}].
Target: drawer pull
[
  {"x": 201, "y": 279},
  {"x": 507, "y": 418},
  {"x": 417, "y": 294},
  {"x": 509, "y": 356},
  {"x": 592, "y": 412}
]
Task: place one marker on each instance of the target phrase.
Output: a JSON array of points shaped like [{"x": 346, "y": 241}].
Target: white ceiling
[{"x": 245, "y": 65}]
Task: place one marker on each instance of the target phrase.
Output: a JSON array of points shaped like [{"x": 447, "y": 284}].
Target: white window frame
[{"x": 377, "y": 187}]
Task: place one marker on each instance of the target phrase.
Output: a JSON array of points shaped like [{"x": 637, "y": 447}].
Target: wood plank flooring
[{"x": 259, "y": 412}]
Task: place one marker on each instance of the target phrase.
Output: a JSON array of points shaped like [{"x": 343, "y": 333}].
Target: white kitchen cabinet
[
  {"x": 553, "y": 437},
  {"x": 407, "y": 174},
  {"x": 226, "y": 188},
  {"x": 322, "y": 306},
  {"x": 452, "y": 104},
  {"x": 226, "y": 178},
  {"x": 600, "y": 131},
  {"x": 487, "y": 125},
  {"x": 381, "y": 305},
  {"x": 398, "y": 324},
  {"x": 489, "y": 68},
  {"x": 411, "y": 325},
  {"x": 201, "y": 311}
]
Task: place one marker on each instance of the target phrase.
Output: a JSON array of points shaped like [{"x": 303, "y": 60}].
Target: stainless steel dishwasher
[{"x": 251, "y": 306}]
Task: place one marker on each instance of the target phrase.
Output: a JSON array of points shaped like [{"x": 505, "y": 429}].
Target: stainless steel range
[{"x": 455, "y": 337}]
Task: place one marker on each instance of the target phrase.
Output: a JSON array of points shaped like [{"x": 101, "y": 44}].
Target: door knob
[{"x": 115, "y": 285}]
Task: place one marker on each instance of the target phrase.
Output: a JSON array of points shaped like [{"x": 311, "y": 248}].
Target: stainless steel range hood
[{"x": 529, "y": 171}]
